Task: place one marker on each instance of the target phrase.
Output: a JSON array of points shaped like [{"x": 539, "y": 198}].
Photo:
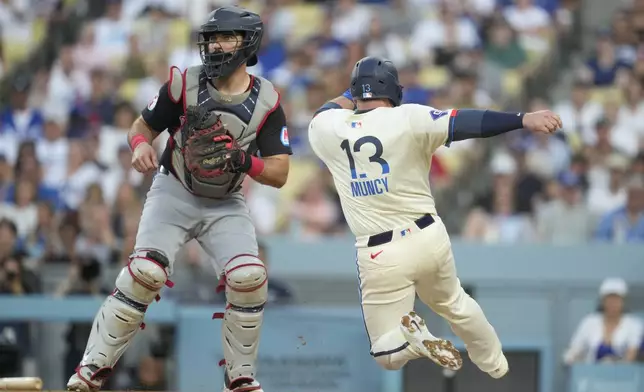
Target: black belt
[{"x": 387, "y": 236}]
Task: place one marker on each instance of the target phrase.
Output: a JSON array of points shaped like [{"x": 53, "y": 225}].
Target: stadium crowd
[{"x": 70, "y": 197}]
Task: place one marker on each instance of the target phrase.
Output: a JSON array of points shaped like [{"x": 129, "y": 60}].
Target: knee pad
[
  {"x": 246, "y": 281},
  {"x": 144, "y": 276}
]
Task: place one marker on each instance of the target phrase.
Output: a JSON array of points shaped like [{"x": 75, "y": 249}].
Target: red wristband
[
  {"x": 256, "y": 166},
  {"x": 136, "y": 140}
]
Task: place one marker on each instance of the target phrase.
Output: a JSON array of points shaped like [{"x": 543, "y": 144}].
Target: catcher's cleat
[
  {"x": 88, "y": 378},
  {"x": 250, "y": 387},
  {"x": 441, "y": 351},
  {"x": 240, "y": 384}
]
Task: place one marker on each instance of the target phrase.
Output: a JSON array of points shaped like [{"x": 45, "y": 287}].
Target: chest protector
[{"x": 242, "y": 115}]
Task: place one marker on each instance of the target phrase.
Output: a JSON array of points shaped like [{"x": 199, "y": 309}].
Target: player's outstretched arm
[
  {"x": 344, "y": 101},
  {"x": 473, "y": 123}
]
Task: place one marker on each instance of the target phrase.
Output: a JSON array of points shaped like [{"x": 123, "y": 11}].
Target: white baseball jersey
[{"x": 380, "y": 162}]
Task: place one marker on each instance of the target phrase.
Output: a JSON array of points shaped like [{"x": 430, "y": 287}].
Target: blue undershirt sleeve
[{"x": 474, "y": 124}]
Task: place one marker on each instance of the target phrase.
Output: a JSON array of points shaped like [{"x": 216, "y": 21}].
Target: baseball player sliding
[
  {"x": 220, "y": 119},
  {"x": 379, "y": 153}
]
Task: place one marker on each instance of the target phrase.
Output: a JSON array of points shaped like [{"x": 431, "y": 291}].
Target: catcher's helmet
[
  {"x": 230, "y": 20},
  {"x": 376, "y": 78}
]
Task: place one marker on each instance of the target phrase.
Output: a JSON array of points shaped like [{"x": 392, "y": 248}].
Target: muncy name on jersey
[{"x": 369, "y": 187}]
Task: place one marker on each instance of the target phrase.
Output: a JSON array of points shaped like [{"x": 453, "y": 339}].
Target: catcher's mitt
[{"x": 208, "y": 147}]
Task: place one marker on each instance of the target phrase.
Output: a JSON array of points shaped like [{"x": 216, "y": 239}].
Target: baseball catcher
[{"x": 221, "y": 119}]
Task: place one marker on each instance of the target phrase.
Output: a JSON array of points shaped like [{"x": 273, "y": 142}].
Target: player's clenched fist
[
  {"x": 543, "y": 121},
  {"x": 144, "y": 158}
]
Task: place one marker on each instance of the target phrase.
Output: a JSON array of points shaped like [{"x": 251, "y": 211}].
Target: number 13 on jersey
[{"x": 360, "y": 185}]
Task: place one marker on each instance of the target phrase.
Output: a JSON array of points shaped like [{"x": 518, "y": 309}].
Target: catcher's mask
[{"x": 229, "y": 21}]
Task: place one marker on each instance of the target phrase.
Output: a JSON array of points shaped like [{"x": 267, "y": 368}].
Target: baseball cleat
[
  {"x": 441, "y": 351},
  {"x": 246, "y": 387},
  {"x": 502, "y": 370},
  {"x": 88, "y": 378}
]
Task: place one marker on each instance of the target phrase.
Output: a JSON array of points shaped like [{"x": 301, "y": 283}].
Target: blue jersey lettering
[{"x": 369, "y": 187}]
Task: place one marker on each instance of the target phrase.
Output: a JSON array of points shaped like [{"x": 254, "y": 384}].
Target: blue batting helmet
[{"x": 376, "y": 78}]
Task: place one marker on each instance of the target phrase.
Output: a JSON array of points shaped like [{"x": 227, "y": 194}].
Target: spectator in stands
[
  {"x": 53, "y": 148},
  {"x": 15, "y": 278},
  {"x": 18, "y": 121},
  {"x": 566, "y": 219},
  {"x": 23, "y": 209},
  {"x": 113, "y": 137},
  {"x": 328, "y": 50},
  {"x": 6, "y": 177},
  {"x": 80, "y": 174},
  {"x": 263, "y": 203},
  {"x": 28, "y": 168},
  {"x": 598, "y": 153},
  {"x": 626, "y": 224},
  {"x": 579, "y": 115},
  {"x": 438, "y": 40},
  {"x": 503, "y": 48},
  {"x": 630, "y": 116},
  {"x": 637, "y": 165},
  {"x": 529, "y": 187},
  {"x": 39, "y": 240},
  {"x": 604, "y": 199},
  {"x": 499, "y": 221},
  {"x": 183, "y": 57},
  {"x": 8, "y": 238},
  {"x": 97, "y": 240},
  {"x": 3, "y": 66},
  {"x": 98, "y": 108},
  {"x": 413, "y": 91},
  {"x": 154, "y": 29},
  {"x": 314, "y": 213},
  {"x": 610, "y": 334},
  {"x": 532, "y": 22},
  {"x": 605, "y": 68},
  {"x": 127, "y": 204},
  {"x": 467, "y": 92},
  {"x": 294, "y": 74},
  {"x": 86, "y": 54},
  {"x": 386, "y": 44},
  {"x": 134, "y": 64},
  {"x": 624, "y": 37},
  {"x": 62, "y": 244},
  {"x": 67, "y": 84},
  {"x": 351, "y": 21},
  {"x": 113, "y": 31},
  {"x": 149, "y": 86}
]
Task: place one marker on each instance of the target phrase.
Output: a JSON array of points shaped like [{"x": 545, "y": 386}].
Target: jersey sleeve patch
[
  {"x": 153, "y": 102},
  {"x": 284, "y": 137},
  {"x": 436, "y": 114}
]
